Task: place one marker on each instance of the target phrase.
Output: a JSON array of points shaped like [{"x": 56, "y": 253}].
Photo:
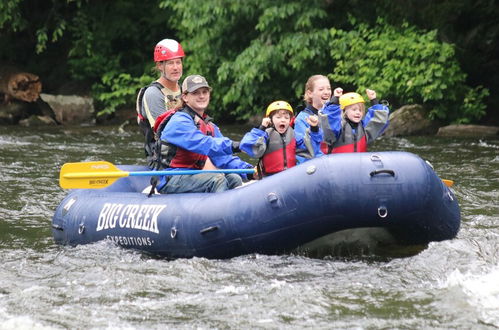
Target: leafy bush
[
  {"x": 254, "y": 51},
  {"x": 119, "y": 89},
  {"x": 256, "y": 54},
  {"x": 405, "y": 65}
]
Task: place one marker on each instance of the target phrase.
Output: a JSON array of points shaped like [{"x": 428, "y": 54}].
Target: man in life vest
[
  {"x": 189, "y": 138},
  {"x": 165, "y": 92},
  {"x": 275, "y": 143},
  {"x": 346, "y": 126}
]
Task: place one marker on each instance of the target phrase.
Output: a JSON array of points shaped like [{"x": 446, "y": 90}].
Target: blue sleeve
[
  {"x": 254, "y": 143},
  {"x": 182, "y": 132},
  {"x": 330, "y": 121},
  {"x": 376, "y": 121},
  {"x": 228, "y": 161},
  {"x": 309, "y": 146},
  {"x": 301, "y": 124},
  {"x": 316, "y": 138},
  {"x": 306, "y": 138}
]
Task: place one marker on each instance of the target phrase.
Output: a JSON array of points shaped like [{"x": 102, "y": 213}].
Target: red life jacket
[
  {"x": 280, "y": 153},
  {"x": 169, "y": 155},
  {"x": 347, "y": 141}
]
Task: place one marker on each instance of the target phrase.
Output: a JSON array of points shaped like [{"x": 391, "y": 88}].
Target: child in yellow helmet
[
  {"x": 275, "y": 143},
  {"x": 346, "y": 125}
]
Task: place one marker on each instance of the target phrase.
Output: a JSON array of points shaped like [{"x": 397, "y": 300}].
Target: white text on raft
[{"x": 135, "y": 216}]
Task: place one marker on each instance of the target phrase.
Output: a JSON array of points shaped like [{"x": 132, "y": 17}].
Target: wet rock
[
  {"x": 71, "y": 109},
  {"x": 37, "y": 121},
  {"x": 11, "y": 112},
  {"x": 411, "y": 120},
  {"x": 468, "y": 130}
]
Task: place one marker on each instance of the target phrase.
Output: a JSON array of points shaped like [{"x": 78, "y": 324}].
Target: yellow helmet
[
  {"x": 278, "y": 105},
  {"x": 349, "y": 99}
]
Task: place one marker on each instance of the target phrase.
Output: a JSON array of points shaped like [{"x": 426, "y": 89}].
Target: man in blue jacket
[{"x": 190, "y": 138}]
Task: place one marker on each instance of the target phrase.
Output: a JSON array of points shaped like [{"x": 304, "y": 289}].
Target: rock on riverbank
[{"x": 413, "y": 120}]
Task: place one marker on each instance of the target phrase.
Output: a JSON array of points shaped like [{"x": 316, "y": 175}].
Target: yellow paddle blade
[
  {"x": 448, "y": 183},
  {"x": 89, "y": 175}
]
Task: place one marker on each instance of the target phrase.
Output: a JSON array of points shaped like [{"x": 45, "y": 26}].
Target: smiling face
[
  {"x": 355, "y": 112},
  {"x": 319, "y": 93},
  {"x": 171, "y": 70},
  {"x": 280, "y": 120},
  {"x": 198, "y": 100}
]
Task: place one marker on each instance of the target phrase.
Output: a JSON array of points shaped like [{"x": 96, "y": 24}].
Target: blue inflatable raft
[{"x": 396, "y": 191}]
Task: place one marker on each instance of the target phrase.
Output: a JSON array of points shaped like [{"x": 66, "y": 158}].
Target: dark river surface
[{"x": 448, "y": 285}]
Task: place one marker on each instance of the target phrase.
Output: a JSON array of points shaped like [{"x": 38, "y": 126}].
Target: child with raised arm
[
  {"x": 317, "y": 92},
  {"x": 275, "y": 143},
  {"x": 346, "y": 125}
]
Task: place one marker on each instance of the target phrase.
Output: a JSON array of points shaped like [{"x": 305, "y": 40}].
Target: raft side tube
[{"x": 396, "y": 191}]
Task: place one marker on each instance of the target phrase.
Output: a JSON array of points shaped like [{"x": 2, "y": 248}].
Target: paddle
[
  {"x": 93, "y": 175},
  {"x": 448, "y": 183}
]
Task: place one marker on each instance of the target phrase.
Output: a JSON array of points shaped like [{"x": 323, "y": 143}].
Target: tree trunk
[{"x": 19, "y": 85}]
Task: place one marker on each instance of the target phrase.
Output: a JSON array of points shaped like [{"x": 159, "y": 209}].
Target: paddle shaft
[{"x": 122, "y": 174}]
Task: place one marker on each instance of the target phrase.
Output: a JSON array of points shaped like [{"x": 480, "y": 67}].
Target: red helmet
[{"x": 167, "y": 49}]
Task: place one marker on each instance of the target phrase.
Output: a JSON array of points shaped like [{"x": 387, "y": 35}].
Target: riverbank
[{"x": 68, "y": 110}]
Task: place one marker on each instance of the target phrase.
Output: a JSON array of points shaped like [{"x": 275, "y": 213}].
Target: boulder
[
  {"x": 37, "y": 121},
  {"x": 468, "y": 130},
  {"x": 71, "y": 109},
  {"x": 411, "y": 120},
  {"x": 13, "y": 111}
]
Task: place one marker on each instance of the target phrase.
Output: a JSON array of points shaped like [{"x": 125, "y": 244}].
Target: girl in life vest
[
  {"x": 275, "y": 143},
  {"x": 345, "y": 124},
  {"x": 317, "y": 93}
]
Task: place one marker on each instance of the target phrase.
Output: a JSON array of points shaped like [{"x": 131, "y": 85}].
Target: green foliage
[
  {"x": 80, "y": 40},
  {"x": 404, "y": 65},
  {"x": 119, "y": 89},
  {"x": 473, "y": 107},
  {"x": 10, "y": 14},
  {"x": 256, "y": 51},
  {"x": 253, "y": 52}
]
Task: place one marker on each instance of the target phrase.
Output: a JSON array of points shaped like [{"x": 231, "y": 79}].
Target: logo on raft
[{"x": 134, "y": 216}]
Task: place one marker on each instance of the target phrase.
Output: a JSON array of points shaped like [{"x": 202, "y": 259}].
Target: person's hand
[
  {"x": 312, "y": 120},
  {"x": 371, "y": 94},
  {"x": 235, "y": 147},
  {"x": 266, "y": 122},
  {"x": 338, "y": 92},
  {"x": 252, "y": 176}
]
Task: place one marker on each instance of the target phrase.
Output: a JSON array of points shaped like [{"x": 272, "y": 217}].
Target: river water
[{"x": 451, "y": 284}]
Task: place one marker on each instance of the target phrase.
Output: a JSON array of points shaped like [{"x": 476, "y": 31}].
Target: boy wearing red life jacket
[
  {"x": 347, "y": 127},
  {"x": 275, "y": 143}
]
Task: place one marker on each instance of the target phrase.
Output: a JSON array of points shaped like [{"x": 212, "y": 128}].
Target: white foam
[
  {"x": 8, "y": 322},
  {"x": 481, "y": 291},
  {"x": 485, "y": 144}
]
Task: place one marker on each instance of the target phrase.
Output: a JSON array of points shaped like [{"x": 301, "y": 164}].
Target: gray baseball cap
[{"x": 194, "y": 82}]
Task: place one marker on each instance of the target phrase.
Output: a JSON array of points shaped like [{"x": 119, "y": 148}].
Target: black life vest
[{"x": 144, "y": 124}]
